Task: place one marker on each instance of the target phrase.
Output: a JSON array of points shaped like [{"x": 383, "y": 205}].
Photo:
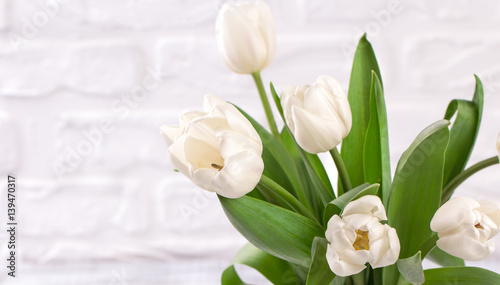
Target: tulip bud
[
  {"x": 246, "y": 36},
  {"x": 318, "y": 116},
  {"x": 219, "y": 150},
  {"x": 359, "y": 238},
  {"x": 465, "y": 227}
]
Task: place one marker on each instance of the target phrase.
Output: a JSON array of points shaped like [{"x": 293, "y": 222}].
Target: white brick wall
[{"x": 89, "y": 82}]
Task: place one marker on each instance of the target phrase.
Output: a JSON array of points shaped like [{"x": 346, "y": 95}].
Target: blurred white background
[{"x": 86, "y": 84}]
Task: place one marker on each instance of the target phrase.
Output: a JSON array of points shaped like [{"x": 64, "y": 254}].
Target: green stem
[
  {"x": 359, "y": 279},
  {"x": 428, "y": 246},
  {"x": 285, "y": 196},
  {"x": 453, "y": 184},
  {"x": 265, "y": 104},
  {"x": 343, "y": 175}
]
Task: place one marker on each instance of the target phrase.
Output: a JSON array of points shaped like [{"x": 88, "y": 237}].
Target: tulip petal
[
  {"x": 341, "y": 267},
  {"x": 465, "y": 247},
  {"x": 453, "y": 213},
  {"x": 386, "y": 250},
  {"x": 498, "y": 144},
  {"x": 240, "y": 175},
  {"x": 368, "y": 205},
  {"x": 492, "y": 210},
  {"x": 178, "y": 157},
  {"x": 315, "y": 134},
  {"x": 240, "y": 41},
  {"x": 238, "y": 123},
  {"x": 232, "y": 143},
  {"x": 170, "y": 133},
  {"x": 201, "y": 154}
]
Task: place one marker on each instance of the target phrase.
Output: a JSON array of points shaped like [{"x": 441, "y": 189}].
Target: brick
[
  {"x": 447, "y": 64},
  {"x": 82, "y": 208},
  {"x": 46, "y": 18},
  {"x": 3, "y": 14},
  {"x": 41, "y": 68},
  {"x": 104, "y": 68},
  {"x": 84, "y": 147},
  {"x": 194, "y": 63},
  {"x": 185, "y": 208},
  {"x": 9, "y": 150},
  {"x": 321, "y": 11},
  {"x": 453, "y": 11},
  {"x": 148, "y": 14}
]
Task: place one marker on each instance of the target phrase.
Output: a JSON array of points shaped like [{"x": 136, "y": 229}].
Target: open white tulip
[
  {"x": 359, "y": 237},
  {"x": 219, "y": 150},
  {"x": 246, "y": 36},
  {"x": 318, "y": 116},
  {"x": 465, "y": 227}
]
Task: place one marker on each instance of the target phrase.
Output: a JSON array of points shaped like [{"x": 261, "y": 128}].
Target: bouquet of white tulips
[{"x": 371, "y": 228}]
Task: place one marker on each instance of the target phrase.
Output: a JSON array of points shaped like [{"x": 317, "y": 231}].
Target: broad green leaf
[
  {"x": 336, "y": 206},
  {"x": 308, "y": 195},
  {"x": 444, "y": 259},
  {"x": 359, "y": 100},
  {"x": 277, "y": 231},
  {"x": 319, "y": 271},
  {"x": 416, "y": 189},
  {"x": 230, "y": 277},
  {"x": 377, "y": 164},
  {"x": 463, "y": 133},
  {"x": 461, "y": 276},
  {"x": 317, "y": 186},
  {"x": 276, "y": 270},
  {"x": 411, "y": 269},
  {"x": 278, "y": 164},
  {"x": 391, "y": 275}
]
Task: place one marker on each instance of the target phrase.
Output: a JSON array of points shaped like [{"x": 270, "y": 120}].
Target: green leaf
[
  {"x": 411, "y": 269},
  {"x": 278, "y": 164},
  {"x": 461, "y": 276},
  {"x": 416, "y": 189},
  {"x": 463, "y": 133},
  {"x": 444, "y": 259},
  {"x": 282, "y": 233},
  {"x": 312, "y": 172},
  {"x": 359, "y": 100},
  {"x": 336, "y": 206},
  {"x": 377, "y": 164},
  {"x": 276, "y": 270},
  {"x": 308, "y": 195},
  {"x": 319, "y": 272},
  {"x": 277, "y": 101},
  {"x": 230, "y": 277}
]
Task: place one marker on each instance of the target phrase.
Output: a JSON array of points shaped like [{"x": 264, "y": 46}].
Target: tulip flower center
[
  {"x": 217, "y": 166},
  {"x": 362, "y": 242},
  {"x": 478, "y": 226}
]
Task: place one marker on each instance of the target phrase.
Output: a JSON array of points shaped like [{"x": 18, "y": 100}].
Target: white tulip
[
  {"x": 498, "y": 144},
  {"x": 246, "y": 36},
  {"x": 318, "y": 116},
  {"x": 465, "y": 227},
  {"x": 359, "y": 237},
  {"x": 219, "y": 150}
]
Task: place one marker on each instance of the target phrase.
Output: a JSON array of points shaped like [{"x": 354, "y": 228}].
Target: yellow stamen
[
  {"x": 478, "y": 226},
  {"x": 362, "y": 242}
]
